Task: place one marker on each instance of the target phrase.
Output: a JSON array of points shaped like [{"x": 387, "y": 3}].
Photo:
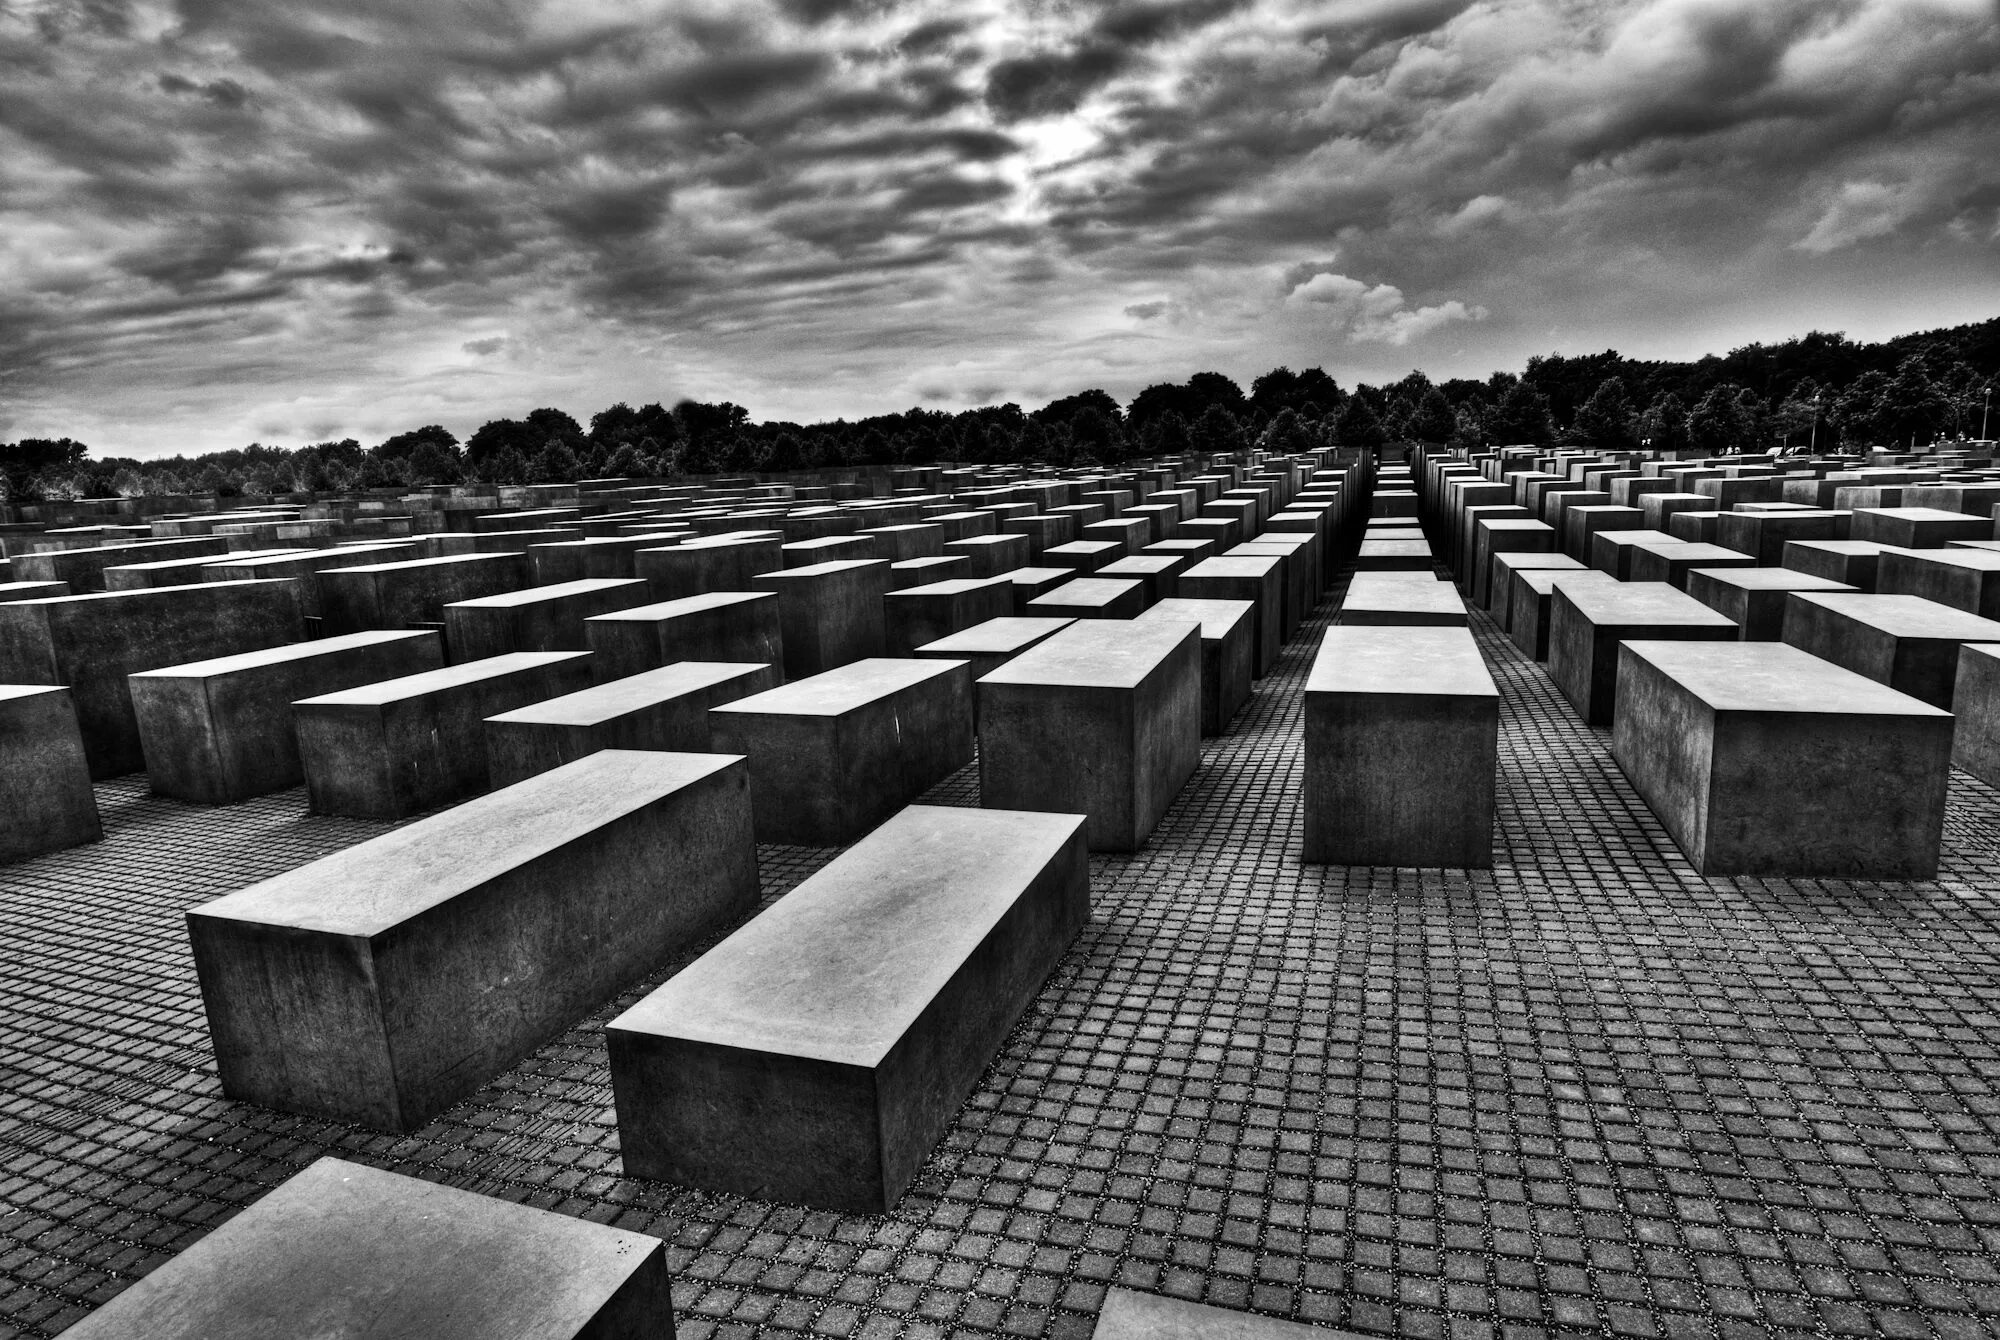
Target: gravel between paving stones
[{"x": 1588, "y": 1092}]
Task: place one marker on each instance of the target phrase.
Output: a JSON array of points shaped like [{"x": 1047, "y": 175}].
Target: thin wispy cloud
[{"x": 222, "y": 220}]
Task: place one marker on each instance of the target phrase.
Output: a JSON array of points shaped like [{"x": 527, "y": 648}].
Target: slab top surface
[
  {"x": 604, "y": 702},
  {"x": 420, "y": 564},
  {"x": 1909, "y": 616},
  {"x": 343, "y": 1249},
  {"x": 1918, "y": 514},
  {"x": 432, "y": 681},
  {"x": 841, "y": 690},
  {"x": 1771, "y": 579},
  {"x": 1216, "y": 618},
  {"x": 1004, "y": 634},
  {"x": 1774, "y": 677},
  {"x": 290, "y": 651},
  {"x": 543, "y": 595},
  {"x": 377, "y": 885},
  {"x": 1424, "y": 662},
  {"x": 1417, "y": 597},
  {"x": 843, "y": 965},
  {"x": 672, "y": 609},
  {"x": 1097, "y": 653},
  {"x": 1975, "y": 560},
  {"x": 1089, "y": 591},
  {"x": 1641, "y": 603},
  {"x": 1544, "y": 580}
]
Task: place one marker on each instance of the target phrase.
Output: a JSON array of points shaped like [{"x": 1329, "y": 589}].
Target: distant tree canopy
[{"x": 1820, "y": 389}]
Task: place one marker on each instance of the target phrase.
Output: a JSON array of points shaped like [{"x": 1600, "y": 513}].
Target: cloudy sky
[{"x": 226, "y": 220}]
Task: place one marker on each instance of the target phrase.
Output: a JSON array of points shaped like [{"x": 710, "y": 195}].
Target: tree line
[{"x": 1820, "y": 391}]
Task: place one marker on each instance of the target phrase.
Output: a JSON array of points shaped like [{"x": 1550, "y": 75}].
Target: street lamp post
[
  {"x": 1813, "y": 449},
  {"x": 1985, "y": 410}
]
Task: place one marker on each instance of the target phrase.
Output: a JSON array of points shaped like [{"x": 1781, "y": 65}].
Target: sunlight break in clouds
[{"x": 222, "y": 220}]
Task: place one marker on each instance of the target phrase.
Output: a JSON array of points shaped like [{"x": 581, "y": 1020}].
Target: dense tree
[
  {"x": 1521, "y": 417},
  {"x": 1433, "y": 420},
  {"x": 1359, "y": 428},
  {"x": 1606, "y": 421}
]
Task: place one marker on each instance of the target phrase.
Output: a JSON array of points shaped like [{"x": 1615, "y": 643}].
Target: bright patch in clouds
[{"x": 228, "y": 220}]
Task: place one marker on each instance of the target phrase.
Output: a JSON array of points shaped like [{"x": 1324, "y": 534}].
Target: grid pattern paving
[{"x": 1587, "y": 1092}]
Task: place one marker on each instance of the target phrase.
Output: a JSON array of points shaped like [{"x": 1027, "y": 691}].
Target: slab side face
[
  {"x": 1128, "y": 1315},
  {"x": 384, "y": 983},
  {"x": 46, "y": 800},
  {"x": 817, "y": 1053}
]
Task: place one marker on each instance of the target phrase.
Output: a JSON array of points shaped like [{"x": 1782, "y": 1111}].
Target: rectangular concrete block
[
  {"x": 1965, "y": 579},
  {"x": 396, "y": 748},
  {"x": 46, "y": 800},
  {"x": 990, "y": 554},
  {"x": 538, "y": 618},
  {"x": 1671, "y": 563},
  {"x": 92, "y": 643},
  {"x": 1588, "y": 622},
  {"x": 83, "y": 569},
  {"x": 836, "y": 753},
  {"x": 1720, "y": 740},
  {"x": 1402, "y": 738},
  {"x": 989, "y": 645},
  {"x": 11, "y": 591},
  {"x": 187, "y": 571},
  {"x": 700, "y": 567},
  {"x": 830, "y": 613},
  {"x": 220, "y": 731},
  {"x": 1091, "y": 598},
  {"x": 355, "y": 1252},
  {"x": 1906, "y": 642},
  {"x": 396, "y": 595},
  {"x": 1259, "y": 579},
  {"x": 1851, "y": 562},
  {"x": 1227, "y": 653},
  {"x": 772, "y": 1068},
  {"x": 1103, "y": 719},
  {"x": 384, "y": 983},
  {"x": 665, "y": 709},
  {"x": 1917, "y": 527},
  {"x": 1975, "y": 706},
  {"x": 1530, "y": 607},
  {"x": 1754, "y": 597},
  {"x": 919, "y": 615},
  {"x": 1500, "y": 581},
  {"x": 719, "y": 626}
]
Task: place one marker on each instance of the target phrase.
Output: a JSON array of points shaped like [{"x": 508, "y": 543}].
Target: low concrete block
[
  {"x": 396, "y": 748},
  {"x": 665, "y": 709},
  {"x": 11, "y": 591},
  {"x": 1587, "y": 623},
  {"x": 1672, "y": 562},
  {"x": 719, "y": 626},
  {"x": 539, "y": 618},
  {"x": 83, "y": 569},
  {"x": 46, "y": 800},
  {"x": 830, "y": 613},
  {"x": 384, "y": 983},
  {"x": 1764, "y": 535},
  {"x": 1394, "y": 556},
  {"x": 355, "y": 1252},
  {"x": 1611, "y": 551},
  {"x": 992, "y": 555},
  {"x": 1975, "y": 706},
  {"x": 1906, "y": 642},
  {"x": 220, "y": 731},
  {"x": 1503, "y": 535},
  {"x": 1500, "y": 581},
  {"x": 836, "y": 753},
  {"x": 187, "y": 571},
  {"x": 1402, "y": 739},
  {"x": 1754, "y": 597},
  {"x": 1228, "y": 653},
  {"x": 771, "y": 1067},
  {"x": 1031, "y": 583},
  {"x": 92, "y": 643},
  {"x": 1720, "y": 740},
  {"x": 700, "y": 567},
  {"x": 1103, "y": 719}
]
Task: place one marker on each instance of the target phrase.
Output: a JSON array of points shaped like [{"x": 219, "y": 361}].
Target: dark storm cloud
[{"x": 817, "y": 206}]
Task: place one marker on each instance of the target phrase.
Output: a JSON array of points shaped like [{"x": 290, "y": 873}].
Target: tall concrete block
[{"x": 46, "y": 800}]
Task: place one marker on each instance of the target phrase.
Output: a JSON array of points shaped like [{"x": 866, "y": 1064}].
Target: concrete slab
[
  {"x": 834, "y": 754},
  {"x": 395, "y": 595},
  {"x": 1103, "y": 719},
  {"x": 396, "y": 748},
  {"x": 342, "y": 1249},
  {"x": 664, "y": 709},
  {"x": 1851, "y": 562},
  {"x": 220, "y": 731},
  {"x": 830, "y": 613},
  {"x": 1718, "y": 737},
  {"x": 539, "y": 618},
  {"x": 771, "y": 1067},
  {"x": 1091, "y": 598},
  {"x": 1227, "y": 653},
  {"x": 1401, "y": 747},
  {"x": 1754, "y": 597},
  {"x": 1965, "y": 579},
  {"x": 46, "y": 800},
  {"x": 719, "y": 626},
  {"x": 1401, "y": 599},
  {"x": 1588, "y": 622},
  {"x": 1906, "y": 642},
  {"x": 384, "y": 983}
]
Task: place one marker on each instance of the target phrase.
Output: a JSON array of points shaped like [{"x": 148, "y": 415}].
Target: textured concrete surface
[{"x": 1586, "y": 1092}]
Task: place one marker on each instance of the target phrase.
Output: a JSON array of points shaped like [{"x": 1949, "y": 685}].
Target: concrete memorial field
[{"x": 1515, "y": 891}]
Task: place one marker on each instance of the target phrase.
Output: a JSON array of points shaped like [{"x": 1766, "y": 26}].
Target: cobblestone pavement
[{"x": 1587, "y": 1092}]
